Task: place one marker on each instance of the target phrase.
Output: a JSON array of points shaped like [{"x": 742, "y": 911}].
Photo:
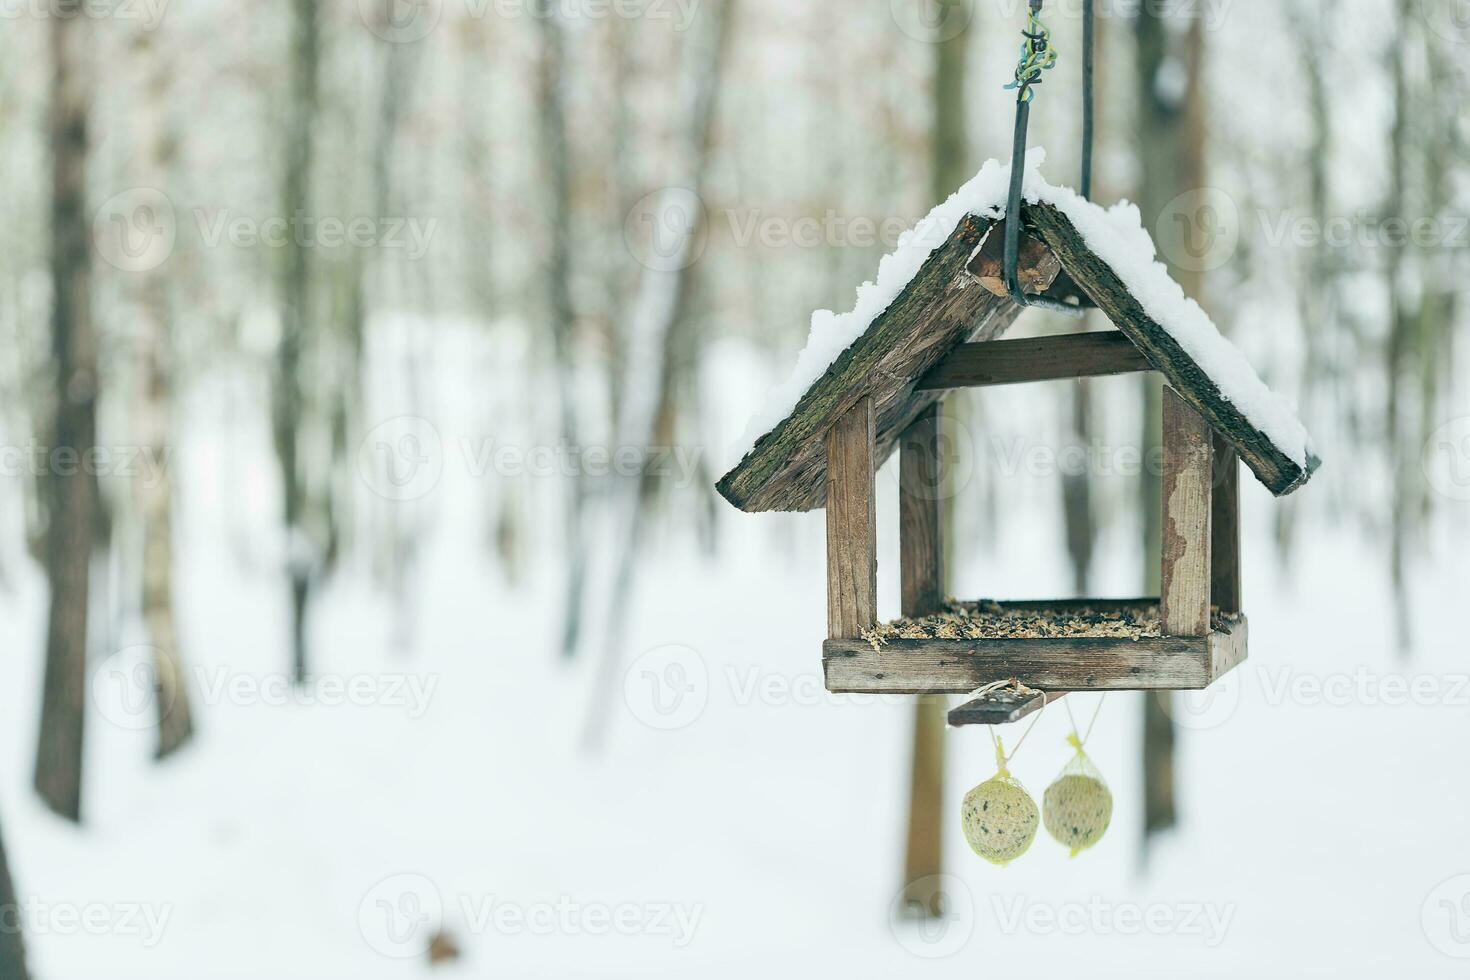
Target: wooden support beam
[
  {"x": 920, "y": 537},
  {"x": 1003, "y": 362},
  {"x": 1225, "y": 529},
  {"x": 1184, "y": 597},
  {"x": 852, "y": 564}
]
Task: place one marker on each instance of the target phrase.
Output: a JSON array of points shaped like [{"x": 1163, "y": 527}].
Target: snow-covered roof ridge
[
  {"x": 1117, "y": 236},
  {"x": 832, "y": 333},
  {"x": 1114, "y": 235}
]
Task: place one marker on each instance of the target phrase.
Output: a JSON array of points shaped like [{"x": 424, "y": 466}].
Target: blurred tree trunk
[
  {"x": 1078, "y": 508},
  {"x": 924, "y": 840},
  {"x": 155, "y": 498},
  {"x": 1421, "y": 286},
  {"x": 73, "y": 504},
  {"x": 662, "y": 294},
  {"x": 1171, "y": 130},
  {"x": 1313, "y": 20},
  {"x": 556, "y": 159},
  {"x": 12, "y": 943},
  {"x": 1077, "y": 512},
  {"x": 289, "y": 402},
  {"x": 619, "y": 272},
  {"x": 401, "y": 535}
]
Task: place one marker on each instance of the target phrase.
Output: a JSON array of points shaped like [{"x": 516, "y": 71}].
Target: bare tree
[
  {"x": 402, "y": 527},
  {"x": 288, "y": 399},
  {"x": 924, "y": 841},
  {"x": 1077, "y": 506},
  {"x": 1421, "y": 283},
  {"x": 556, "y": 160},
  {"x": 1079, "y": 511},
  {"x": 653, "y": 313},
  {"x": 155, "y": 496},
  {"x": 72, "y": 499},
  {"x": 12, "y": 943},
  {"x": 1171, "y": 129}
]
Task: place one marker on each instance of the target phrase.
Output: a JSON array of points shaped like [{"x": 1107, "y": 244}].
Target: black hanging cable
[
  {"x": 1087, "y": 100},
  {"x": 1037, "y": 55}
]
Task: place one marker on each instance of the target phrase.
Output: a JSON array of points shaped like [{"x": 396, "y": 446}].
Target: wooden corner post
[
  {"x": 1184, "y": 594},
  {"x": 852, "y": 562}
]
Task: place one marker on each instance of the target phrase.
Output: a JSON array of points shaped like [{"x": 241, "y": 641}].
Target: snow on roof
[{"x": 1116, "y": 235}]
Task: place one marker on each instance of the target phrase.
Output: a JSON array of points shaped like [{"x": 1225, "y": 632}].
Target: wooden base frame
[{"x": 1083, "y": 663}]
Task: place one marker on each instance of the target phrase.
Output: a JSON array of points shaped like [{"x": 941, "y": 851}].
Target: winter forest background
[{"x": 366, "y": 607}]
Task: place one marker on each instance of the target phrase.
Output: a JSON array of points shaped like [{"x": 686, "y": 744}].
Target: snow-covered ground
[{"x": 734, "y": 819}]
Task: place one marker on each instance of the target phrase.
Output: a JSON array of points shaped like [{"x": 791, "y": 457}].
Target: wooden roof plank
[
  {"x": 942, "y": 306},
  {"x": 1273, "y": 467}
]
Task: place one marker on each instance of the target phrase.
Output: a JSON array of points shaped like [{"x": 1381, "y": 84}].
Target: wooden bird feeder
[{"x": 882, "y": 393}]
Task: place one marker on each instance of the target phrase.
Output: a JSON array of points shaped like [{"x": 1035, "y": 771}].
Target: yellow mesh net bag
[
  {"x": 1077, "y": 806},
  {"x": 999, "y": 816}
]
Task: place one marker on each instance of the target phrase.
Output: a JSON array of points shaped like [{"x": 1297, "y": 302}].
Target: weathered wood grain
[
  {"x": 920, "y": 538},
  {"x": 1003, "y": 362},
  {"x": 1229, "y": 645},
  {"x": 1094, "y": 663},
  {"x": 1036, "y": 267},
  {"x": 1053, "y": 665},
  {"x": 1184, "y": 597},
  {"x": 1280, "y": 474},
  {"x": 1225, "y": 529},
  {"x": 942, "y": 306},
  {"x": 852, "y": 564}
]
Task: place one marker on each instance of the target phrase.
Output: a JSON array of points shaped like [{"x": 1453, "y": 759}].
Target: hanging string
[
  {"x": 1074, "y": 738},
  {"x": 1021, "y": 691}
]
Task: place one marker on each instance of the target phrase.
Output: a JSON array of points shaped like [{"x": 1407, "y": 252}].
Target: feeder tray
[{"x": 1053, "y": 646}]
